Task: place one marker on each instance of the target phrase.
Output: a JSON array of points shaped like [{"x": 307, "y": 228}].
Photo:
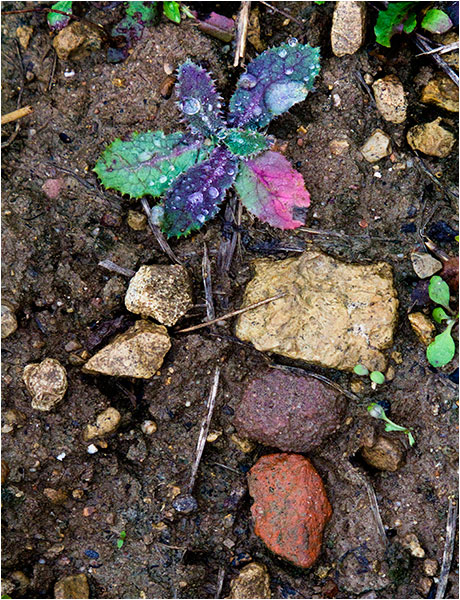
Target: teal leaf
[
  {"x": 396, "y": 18},
  {"x": 171, "y": 10},
  {"x": 57, "y": 21},
  {"x": 442, "y": 350},
  {"x": 377, "y": 377},
  {"x": 148, "y": 163},
  {"x": 361, "y": 370},
  {"x": 439, "y": 292},
  {"x": 436, "y": 21},
  {"x": 271, "y": 189},
  {"x": 144, "y": 12},
  {"x": 439, "y": 314},
  {"x": 243, "y": 142},
  {"x": 273, "y": 82}
]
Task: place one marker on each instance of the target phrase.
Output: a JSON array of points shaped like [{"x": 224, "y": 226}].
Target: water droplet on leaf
[
  {"x": 289, "y": 71},
  {"x": 282, "y": 53},
  {"x": 191, "y": 106},
  {"x": 213, "y": 192},
  {"x": 247, "y": 81},
  {"x": 163, "y": 179},
  {"x": 292, "y": 42},
  {"x": 196, "y": 197}
]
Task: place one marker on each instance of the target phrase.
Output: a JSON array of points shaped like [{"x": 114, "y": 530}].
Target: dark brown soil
[{"x": 51, "y": 251}]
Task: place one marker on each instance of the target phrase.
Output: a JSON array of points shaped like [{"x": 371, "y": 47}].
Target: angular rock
[
  {"x": 441, "y": 91},
  {"x": 423, "y": 328},
  {"x": 5, "y": 471},
  {"x": 424, "y": 264},
  {"x": 9, "y": 322},
  {"x": 377, "y": 146},
  {"x": 163, "y": 292},
  {"x": 253, "y": 581},
  {"x": 24, "y": 34},
  {"x": 334, "y": 315},
  {"x": 74, "y": 586},
  {"x": 290, "y": 507},
  {"x": 77, "y": 40},
  {"x": 106, "y": 422},
  {"x": 390, "y": 99},
  {"x": 46, "y": 382},
  {"x": 430, "y": 567},
  {"x": 290, "y": 412},
  {"x": 137, "y": 220},
  {"x": 431, "y": 139},
  {"x": 138, "y": 352},
  {"x": 384, "y": 453},
  {"x": 58, "y": 496},
  {"x": 348, "y": 27},
  {"x": 339, "y": 147}
]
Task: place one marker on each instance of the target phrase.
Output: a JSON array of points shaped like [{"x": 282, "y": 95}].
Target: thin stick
[
  {"x": 220, "y": 581},
  {"x": 242, "y": 32},
  {"x": 375, "y": 510},
  {"x": 233, "y": 313},
  {"x": 345, "y": 235},
  {"x": 441, "y": 49},
  {"x": 17, "y": 114},
  {"x": 207, "y": 284},
  {"x": 226, "y": 467},
  {"x": 366, "y": 88},
  {"x": 422, "y": 43},
  {"x": 282, "y": 12},
  {"x": 13, "y": 136},
  {"x": 448, "y": 549},
  {"x": 204, "y": 429},
  {"x": 111, "y": 266},
  {"x": 160, "y": 238}
]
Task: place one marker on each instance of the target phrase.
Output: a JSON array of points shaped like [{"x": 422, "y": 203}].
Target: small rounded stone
[
  {"x": 149, "y": 427},
  {"x": 9, "y": 322},
  {"x": 185, "y": 504},
  {"x": 46, "y": 382}
]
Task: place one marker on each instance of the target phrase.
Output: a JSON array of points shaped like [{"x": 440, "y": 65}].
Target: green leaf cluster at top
[{"x": 442, "y": 350}]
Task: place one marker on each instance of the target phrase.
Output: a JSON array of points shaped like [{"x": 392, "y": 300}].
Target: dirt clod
[
  {"x": 73, "y": 586},
  {"x": 348, "y": 27},
  {"x": 385, "y": 454},
  {"x": 5, "y": 471},
  {"x": 253, "y": 581},
  {"x": 290, "y": 506},
  {"x": 423, "y": 327},
  {"x": 412, "y": 543},
  {"x": 441, "y": 91},
  {"x": 46, "y": 382},
  {"x": 431, "y": 139},
  {"x": 106, "y": 422},
  {"x": 76, "y": 41},
  {"x": 58, "y": 496},
  {"x": 137, "y": 220},
  {"x": 9, "y": 321},
  {"x": 390, "y": 99}
]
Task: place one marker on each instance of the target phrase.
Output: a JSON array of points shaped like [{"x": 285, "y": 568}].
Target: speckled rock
[
  {"x": 74, "y": 586},
  {"x": 383, "y": 453},
  {"x": 163, "y": 292},
  {"x": 431, "y": 139},
  {"x": 46, "y": 382},
  {"x": 377, "y": 146},
  {"x": 290, "y": 507},
  {"x": 253, "y": 581},
  {"x": 290, "y": 412},
  {"x": 441, "y": 91},
  {"x": 9, "y": 322},
  {"x": 138, "y": 352},
  {"x": 424, "y": 264},
  {"x": 106, "y": 422},
  {"x": 334, "y": 315},
  {"x": 76, "y": 41},
  {"x": 423, "y": 327},
  {"x": 348, "y": 27},
  {"x": 390, "y": 99},
  {"x": 137, "y": 220}
]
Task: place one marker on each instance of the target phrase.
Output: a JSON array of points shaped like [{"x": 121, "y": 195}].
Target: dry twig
[
  {"x": 207, "y": 284},
  {"x": 423, "y": 44},
  {"x": 13, "y": 136},
  {"x": 160, "y": 238},
  {"x": 242, "y": 32},
  {"x": 220, "y": 581},
  {"x": 282, "y": 12},
  {"x": 111, "y": 266},
  {"x": 441, "y": 49},
  {"x": 16, "y": 114},
  {"x": 451, "y": 527}
]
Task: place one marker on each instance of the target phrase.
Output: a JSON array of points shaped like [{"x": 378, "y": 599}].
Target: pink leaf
[{"x": 273, "y": 190}]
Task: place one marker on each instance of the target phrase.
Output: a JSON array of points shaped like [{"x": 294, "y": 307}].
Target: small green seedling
[
  {"x": 376, "y": 377},
  {"x": 121, "y": 539},
  {"x": 376, "y": 411},
  {"x": 442, "y": 350}
]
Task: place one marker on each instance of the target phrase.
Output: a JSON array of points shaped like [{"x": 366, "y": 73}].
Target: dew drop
[
  {"x": 145, "y": 156},
  {"x": 292, "y": 42},
  {"x": 247, "y": 81},
  {"x": 231, "y": 171},
  {"x": 221, "y": 134},
  {"x": 163, "y": 179},
  {"x": 213, "y": 192},
  {"x": 201, "y": 218},
  {"x": 191, "y": 106},
  {"x": 289, "y": 71},
  {"x": 282, "y": 53},
  {"x": 210, "y": 107},
  {"x": 196, "y": 197},
  {"x": 257, "y": 111}
]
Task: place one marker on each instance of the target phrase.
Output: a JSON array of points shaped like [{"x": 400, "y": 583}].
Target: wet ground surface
[{"x": 51, "y": 251}]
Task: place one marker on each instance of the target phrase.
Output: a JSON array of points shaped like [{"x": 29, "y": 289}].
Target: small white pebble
[
  {"x": 378, "y": 174},
  {"x": 188, "y": 403},
  {"x": 61, "y": 456},
  {"x": 92, "y": 449},
  {"x": 69, "y": 73}
]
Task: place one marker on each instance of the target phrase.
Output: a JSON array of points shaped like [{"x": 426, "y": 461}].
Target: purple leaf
[
  {"x": 218, "y": 26},
  {"x": 131, "y": 27},
  {"x": 198, "y": 99},
  {"x": 273, "y": 190},
  {"x": 195, "y": 196},
  {"x": 274, "y": 81}
]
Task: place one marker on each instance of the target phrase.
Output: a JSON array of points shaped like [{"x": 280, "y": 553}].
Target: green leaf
[
  {"x": 439, "y": 314},
  {"x": 361, "y": 370},
  {"x": 438, "y": 290},
  {"x": 395, "y": 19},
  {"x": 436, "y": 21},
  {"x": 377, "y": 377},
  {"x": 171, "y": 10},
  {"x": 57, "y": 21},
  {"x": 245, "y": 143},
  {"x": 411, "y": 438},
  {"x": 148, "y": 163},
  {"x": 144, "y": 12},
  {"x": 122, "y": 535},
  {"x": 442, "y": 350},
  {"x": 120, "y": 543}
]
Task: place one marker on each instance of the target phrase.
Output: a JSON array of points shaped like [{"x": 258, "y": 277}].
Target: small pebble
[
  {"x": 424, "y": 264},
  {"x": 377, "y": 146},
  {"x": 430, "y": 567},
  {"x": 46, "y": 382},
  {"x": 431, "y": 139},
  {"x": 106, "y": 422},
  {"x": 384, "y": 453},
  {"x": 390, "y": 99},
  {"x": 411, "y": 542},
  {"x": 73, "y": 586},
  {"x": 92, "y": 449},
  {"x": 9, "y": 322},
  {"x": 149, "y": 427},
  {"x": 61, "y": 456},
  {"x": 423, "y": 327},
  {"x": 253, "y": 581},
  {"x": 65, "y": 138},
  {"x": 92, "y": 554},
  {"x": 185, "y": 504},
  {"x": 424, "y": 586},
  {"x": 137, "y": 220}
]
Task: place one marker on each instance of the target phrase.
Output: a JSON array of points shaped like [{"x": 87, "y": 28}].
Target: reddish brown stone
[{"x": 290, "y": 507}]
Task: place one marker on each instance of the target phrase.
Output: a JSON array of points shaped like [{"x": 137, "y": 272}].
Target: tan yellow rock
[
  {"x": 431, "y": 139},
  {"x": 441, "y": 91},
  {"x": 348, "y": 27},
  {"x": 339, "y": 147},
  {"x": 137, "y": 220},
  {"x": 106, "y": 422},
  {"x": 390, "y": 99},
  {"x": 243, "y": 443},
  {"x": 74, "y": 586},
  {"x": 24, "y": 34},
  {"x": 9, "y": 321},
  {"x": 377, "y": 146},
  {"x": 411, "y": 542},
  {"x": 424, "y": 264},
  {"x": 424, "y": 329},
  {"x": 138, "y": 352},
  {"x": 334, "y": 314},
  {"x": 77, "y": 40},
  {"x": 385, "y": 453},
  {"x": 46, "y": 382},
  {"x": 253, "y": 581},
  {"x": 163, "y": 292}
]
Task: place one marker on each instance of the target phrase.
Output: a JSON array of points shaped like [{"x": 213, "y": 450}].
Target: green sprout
[
  {"x": 376, "y": 411},
  {"x": 121, "y": 539},
  {"x": 442, "y": 350},
  {"x": 376, "y": 377}
]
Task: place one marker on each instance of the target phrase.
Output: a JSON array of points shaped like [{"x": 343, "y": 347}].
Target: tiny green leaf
[
  {"x": 438, "y": 290},
  {"x": 436, "y": 21},
  {"x": 411, "y": 438},
  {"x": 410, "y": 24},
  {"x": 245, "y": 143},
  {"x": 396, "y": 18},
  {"x": 171, "y": 10},
  {"x": 120, "y": 543},
  {"x": 56, "y": 21},
  {"x": 442, "y": 350},
  {"x": 439, "y": 314},
  {"x": 122, "y": 535},
  {"x": 377, "y": 377},
  {"x": 361, "y": 370}
]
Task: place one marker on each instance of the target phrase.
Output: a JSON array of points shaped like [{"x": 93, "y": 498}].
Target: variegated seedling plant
[{"x": 191, "y": 172}]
